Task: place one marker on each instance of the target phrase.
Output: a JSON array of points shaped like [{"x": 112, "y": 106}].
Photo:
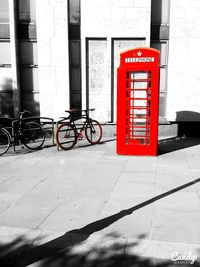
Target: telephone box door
[{"x": 137, "y": 102}]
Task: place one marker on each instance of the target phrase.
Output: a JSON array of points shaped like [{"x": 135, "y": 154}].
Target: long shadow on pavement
[
  {"x": 54, "y": 248},
  {"x": 176, "y": 143}
]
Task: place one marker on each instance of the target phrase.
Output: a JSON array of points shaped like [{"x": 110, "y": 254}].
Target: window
[
  {"x": 28, "y": 56},
  {"x": 163, "y": 48},
  {"x": 160, "y": 12},
  {"x": 74, "y": 11},
  {"x": 74, "y": 53},
  {"x": 5, "y": 57},
  {"x": 30, "y": 101},
  {"x": 28, "y": 52},
  {"x": 4, "y": 11},
  {"x": 119, "y": 45},
  {"x": 97, "y": 67},
  {"x": 29, "y": 79},
  {"x": 27, "y": 10}
]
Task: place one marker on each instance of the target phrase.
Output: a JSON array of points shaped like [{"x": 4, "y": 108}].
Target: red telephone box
[{"x": 137, "y": 102}]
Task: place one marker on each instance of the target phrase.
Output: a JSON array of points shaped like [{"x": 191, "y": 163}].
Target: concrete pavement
[{"x": 49, "y": 193}]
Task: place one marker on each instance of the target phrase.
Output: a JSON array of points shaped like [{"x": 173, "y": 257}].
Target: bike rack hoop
[{"x": 46, "y": 123}]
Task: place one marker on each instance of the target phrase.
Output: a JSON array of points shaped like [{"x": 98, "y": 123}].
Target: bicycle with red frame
[{"x": 69, "y": 132}]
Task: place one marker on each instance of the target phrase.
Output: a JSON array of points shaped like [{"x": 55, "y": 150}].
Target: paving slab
[
  {"x": 91, "y": 187},
  {"x": 176, "y": 226}
]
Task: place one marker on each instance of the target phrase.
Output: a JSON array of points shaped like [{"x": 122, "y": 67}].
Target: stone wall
[
  {"x": 110, "y": 19},
  {"x": 184, "y": 61},
  {"x": 52, "y": 38}
]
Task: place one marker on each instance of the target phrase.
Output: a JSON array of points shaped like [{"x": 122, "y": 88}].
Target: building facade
[{"x": 60, "y": 54}]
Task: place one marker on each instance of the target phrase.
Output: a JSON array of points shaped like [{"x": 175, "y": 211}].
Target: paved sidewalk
[{"x": 105, "y": 197}]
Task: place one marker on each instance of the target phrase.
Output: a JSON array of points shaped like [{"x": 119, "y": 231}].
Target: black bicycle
[
  {"x": 23, "y": 131},
  {"x": 5, "y": 140},
  {"x": 68, "y": 133}
]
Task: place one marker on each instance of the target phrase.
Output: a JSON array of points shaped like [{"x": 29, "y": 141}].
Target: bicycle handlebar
[
  {"x": 82, "y": 110},
  {"x": 23, "y": 112}
]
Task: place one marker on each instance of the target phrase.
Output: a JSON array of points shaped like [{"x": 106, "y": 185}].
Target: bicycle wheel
[
  {"x": 93, "y": 132},
  {"x": 66, "y": 136},
  {"x": 4, "y": 141},
  {"x": 33, "y": 135}
]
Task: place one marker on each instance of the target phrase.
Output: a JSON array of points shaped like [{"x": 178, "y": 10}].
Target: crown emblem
[{"x": 139, "y": 53}]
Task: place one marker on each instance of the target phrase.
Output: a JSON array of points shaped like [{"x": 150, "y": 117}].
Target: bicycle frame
[{"x": 77, "y": 127}]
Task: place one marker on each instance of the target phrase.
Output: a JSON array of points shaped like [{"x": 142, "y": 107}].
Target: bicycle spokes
[
  {"x": 32, "y": 135},
  {"x": 93, "y": 132},
  {"x": 66, "y": 136},
  {"x": 4, "y": 141}
]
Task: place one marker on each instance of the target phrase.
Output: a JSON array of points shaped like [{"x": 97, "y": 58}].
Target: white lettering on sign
[{"x": 139, "y": 59}]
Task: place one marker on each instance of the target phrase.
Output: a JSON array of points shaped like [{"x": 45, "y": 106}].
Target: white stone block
[
  {"x": 44, "y": 51},
  {"x": 6, "y": 79},
  {"x": 144, "y": 17},
  {"x": 180, "y": 3},
  {"x": 61, "y": 21},
  {"x": 192, "y": 14},
  {"x": 178, "y": 51},
  {"x": 59, "y": 51},
  {"x": 142, "y": 3},
  {"x": 194, "y": 3},
  {"x": 41, "y": 4},
  {"x": 45, "y": 21},
  {"x": 118, "y": 21},
  {"x": 89, "y": 24},
  {"x": 177, "y": 27},
  {"x": 60, "y": 104},
  {"x": 193, "y": 54},
  {"x": 46, "y": 105},
  {"x": 62, "y": 3},
  {"x": 62, "y": 80},
  {"x": 131, "y": 22},
  {"x": 104, "y": 21},
  {"x": 47, "y": 80},
  {"x": 177, "y": 12}
]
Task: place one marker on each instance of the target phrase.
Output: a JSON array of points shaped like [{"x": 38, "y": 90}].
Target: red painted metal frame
[{"x": 137, "y": 133}]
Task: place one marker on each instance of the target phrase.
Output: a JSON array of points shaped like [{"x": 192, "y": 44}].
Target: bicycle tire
[
  {"x": 93, "y": 132},
  {"x": 66, "y": 136},
  {"x": 33, "y": 135},
  {"x": 4, "y": 141}
]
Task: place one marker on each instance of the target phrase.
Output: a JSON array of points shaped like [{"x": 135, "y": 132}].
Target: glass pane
[
  {"x": 75, "y": 98},
  {"x": 75, "y": 53},
  {"x": 75, "y": 79},
  {"x": 99, "y": 92},
  {"x": 140, "y": 85},
  {"x": 6, "y": 103},
  {"x": 162, "y": 47},
  {"x": 139, "y": 75},
  {"x": 30, "y": 101},
  {"x": 160, "y": 12},
  {"x": 29, "y": 79},
  {"x": 6, "y": 79},
  {"x": 163, "y": 83},
  {"x": 4, "y": 11},
  {"x": 121, "y": 46},
  {"x": 162, "y": 104},
  {"x": 27, "y": 10},
  {"x": 5, "y": 57},
  {"x": 139, "y": 94},
  {"x": 74, "y": 11},
  {"x": 29, "y": 53}
]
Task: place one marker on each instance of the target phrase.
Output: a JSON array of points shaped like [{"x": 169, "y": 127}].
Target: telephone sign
[{"x": 137, "y": 102}]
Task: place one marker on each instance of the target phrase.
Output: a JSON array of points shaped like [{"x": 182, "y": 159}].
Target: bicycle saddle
[
  {"x": 71, "y": 110},
  {"x": 24, "y": 112}
]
